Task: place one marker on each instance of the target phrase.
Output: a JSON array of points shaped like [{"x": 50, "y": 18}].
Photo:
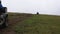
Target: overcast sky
[{"x": 33, "y": 6}]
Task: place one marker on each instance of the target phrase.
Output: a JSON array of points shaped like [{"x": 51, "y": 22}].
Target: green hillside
[
  {"x": 39, "y": 24},
  {"x": 32, "y": 24}
]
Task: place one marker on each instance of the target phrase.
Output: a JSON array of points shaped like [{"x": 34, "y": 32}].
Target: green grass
[{"x": 39, "y": 24}]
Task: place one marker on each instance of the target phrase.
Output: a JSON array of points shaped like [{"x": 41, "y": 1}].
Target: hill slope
[
  {"x": 39, "y": 24},
  {"x": 32, "y": 24}
]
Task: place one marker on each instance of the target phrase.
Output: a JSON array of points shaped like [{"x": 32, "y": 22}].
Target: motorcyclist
[
  {"x": 1, "y": 8},
  {"x": 3, "y": 16},
  {"x": 1, "y": 5}
]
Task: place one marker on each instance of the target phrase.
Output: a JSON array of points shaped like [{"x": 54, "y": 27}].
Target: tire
[
  {"x": 5, "y": 24},
  {"x": 4, "y": 19}
]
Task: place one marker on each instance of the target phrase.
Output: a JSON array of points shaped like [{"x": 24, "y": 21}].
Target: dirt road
[{"x": 13, "y": 20}]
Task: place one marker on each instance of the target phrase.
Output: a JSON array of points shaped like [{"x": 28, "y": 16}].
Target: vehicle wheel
[
  {"x": 5, "y": 24},
  {"x": 1, "y": 22}
]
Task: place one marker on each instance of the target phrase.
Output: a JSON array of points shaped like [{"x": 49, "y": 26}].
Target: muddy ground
[{"x": 13, "y": 19}]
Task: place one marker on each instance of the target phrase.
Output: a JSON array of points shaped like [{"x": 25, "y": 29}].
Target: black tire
[
  {"x": 5, "y": 24},
  {"x": 4, "y": 19}
]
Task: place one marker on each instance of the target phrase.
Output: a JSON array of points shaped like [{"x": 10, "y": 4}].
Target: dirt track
[{"x": 13, "y": 20}]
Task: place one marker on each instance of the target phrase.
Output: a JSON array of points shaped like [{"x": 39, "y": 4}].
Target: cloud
[{"x": 32, "y": 6}]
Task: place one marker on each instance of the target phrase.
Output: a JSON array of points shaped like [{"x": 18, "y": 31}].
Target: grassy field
[
  {"x": 32, "y": 24},
  {"x": 13, "y": 19},
  {"x": 39, "y": 24}
]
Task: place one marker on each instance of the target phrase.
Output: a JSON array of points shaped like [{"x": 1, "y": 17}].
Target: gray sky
[{"x": 33, "y": 6}]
